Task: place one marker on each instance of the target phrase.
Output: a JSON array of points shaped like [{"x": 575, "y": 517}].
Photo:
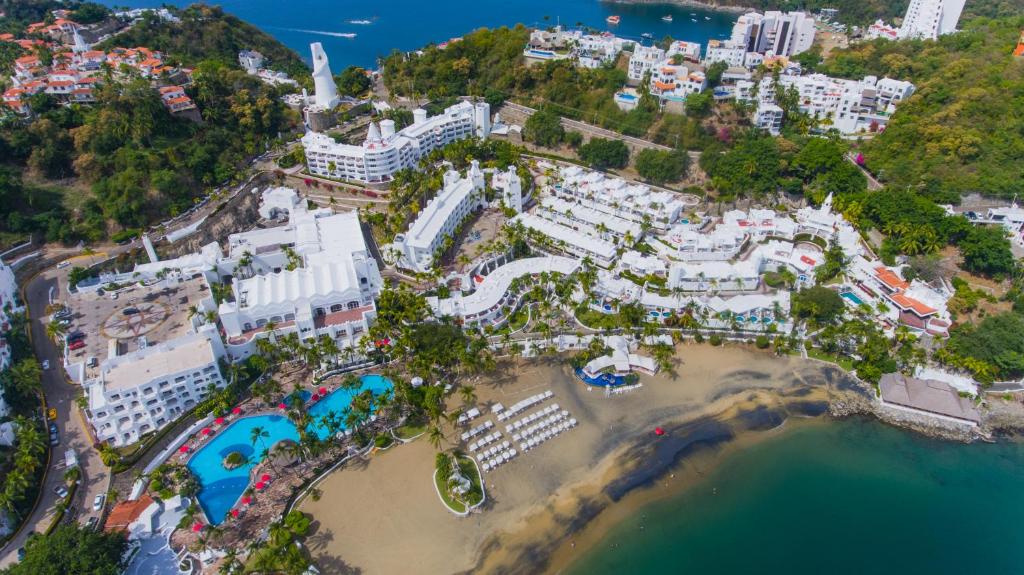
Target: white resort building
[
  {"x": 643, "y": 60},
  {"x": 386, "y": 151},
  {"x": 440, "y": 219},
  {"x": 142, "y": 391},
  {"x": 617, "y": 197},
  {"x": 490, "y": 302}
]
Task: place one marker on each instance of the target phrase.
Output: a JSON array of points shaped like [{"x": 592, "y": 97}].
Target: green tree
[
  {"x": 352, "y": 81},
  {"x": 72, "y": 548},
  {"x": 544, "y": 128},
  {"x": 603, "y": 154},
  {"x": 659, "y": 166}
]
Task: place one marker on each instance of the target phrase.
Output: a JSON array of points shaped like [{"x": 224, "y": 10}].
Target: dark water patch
[
  {"x": 801, "y": 391},
  {"x": 761, "y": 418},
  {"x": 747, "y": 374},
  {"x": 726, "y": 391},
  {"x": 649, "y": 462},
  {"x": 807, "y": 408}
]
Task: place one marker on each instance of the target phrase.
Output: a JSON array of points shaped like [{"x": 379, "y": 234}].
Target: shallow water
[{"x": 838, "y": 497}]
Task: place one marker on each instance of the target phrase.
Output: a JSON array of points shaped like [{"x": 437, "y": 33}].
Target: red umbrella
[
  {"x": 259, "y": 486},
  {"x": 234, "y": 512},
  {"x": 236, "y": 410},
  {"x": 183, "y": 449},
  {"x": 196, "y": 528},
  {"x": 266, "y": 477},
  {"x": 659, "y": 431},
  {"x": 219, "y": 421},
  {"x": 323, "y": 391},
  {"x": 207, "y": 431},
  {"x": 316, "y": 397},
  {"x": 247, "y": 500},
  {"x": 282, "y": 406}
]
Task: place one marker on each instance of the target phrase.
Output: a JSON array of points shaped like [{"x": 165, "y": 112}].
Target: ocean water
[
  {"x": 853, "y": 497},
  {"x": 410, "y": 24}
]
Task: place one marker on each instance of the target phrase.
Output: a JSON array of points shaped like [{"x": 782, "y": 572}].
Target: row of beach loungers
[
  {"x": 495, "y": 456},
  {"x": 469, "y": 416},
  {"x": 477, "y": 430},
  {"x": 486, "y": 440},
  {"x": 521, "y": 423},
  {"x": 523, "y": 405},
  {"x": 544, "y": 429}
]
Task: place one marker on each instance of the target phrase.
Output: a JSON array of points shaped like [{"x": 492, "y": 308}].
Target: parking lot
[{"x": 133, "y": 316}]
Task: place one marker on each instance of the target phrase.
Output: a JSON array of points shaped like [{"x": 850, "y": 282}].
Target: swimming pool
[
  {"x": 542, "y": 53},
  {"x": 626, "y": 97},
  {"x": 852, "y": 297},
  {"x": 602, "y": 380},
  {"x": 220, "y": 487}
]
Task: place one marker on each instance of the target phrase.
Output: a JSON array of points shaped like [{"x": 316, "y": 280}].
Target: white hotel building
[
  {"x": 324, "y": 284},
  {"x": 619, "y": 198},
  {"x": 142, "y": 391},
  {"x": 440, "y": 219},
  {"x": 386, "y": 151}
]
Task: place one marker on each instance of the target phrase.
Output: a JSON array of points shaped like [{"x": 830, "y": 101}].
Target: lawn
[
  {"x": 843, "y": 362},
  {"x": 410, "y": 429}
]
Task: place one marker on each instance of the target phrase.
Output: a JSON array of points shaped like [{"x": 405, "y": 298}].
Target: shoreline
[
  {"x": 690, "y": 4},
  {"x": 562, "y": 500}
]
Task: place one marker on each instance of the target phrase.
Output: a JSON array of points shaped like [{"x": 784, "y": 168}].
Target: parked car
[
  {"x": 21, "y": 553},
  {"x": 61, "y": 491},
  {"x": 46, "y": 364},
  {"x": 77, "y": 344},
  {"x": 130, "y": 311},
  {"x": 53, "y": 428},
  {"x": 92, "y": 523},
  {"x": 54, "y": 439},
  {"x": 97, "y": 503}
]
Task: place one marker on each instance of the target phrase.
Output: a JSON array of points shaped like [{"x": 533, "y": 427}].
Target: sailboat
[{"x": 666, "y": 18}]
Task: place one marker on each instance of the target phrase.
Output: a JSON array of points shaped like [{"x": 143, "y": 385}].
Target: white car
[
  {"x": 46, "y": 364},
  {"x": 97, "y": 503},
  {"x": 63, "y": 264}
]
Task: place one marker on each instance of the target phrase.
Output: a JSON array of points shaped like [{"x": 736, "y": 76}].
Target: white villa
[
  {"x": 643, "y": 60},
  {"x": 8, "y": 304},
  {"x": 440, "y": 219},
  {"x": 619, "y": 198},
  {"x": 142, "y": 391},
  {"x": 490, "y": 302},
  {"x": 386, "y": 151},
  {"x": 570, "y": 240}
]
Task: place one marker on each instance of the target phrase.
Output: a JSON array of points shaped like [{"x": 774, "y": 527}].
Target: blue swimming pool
[
  {"x": 852, "y": 297},
  {"x": 222, "y": 487},
  {"x": 602, "y": 380},
  {"x": 542, "y": 53},
  {"x": 626, "y": 97}
]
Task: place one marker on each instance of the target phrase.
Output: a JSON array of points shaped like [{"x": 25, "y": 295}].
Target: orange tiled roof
[
  {"x": 664, "y": 85},
  {"x": 122, "y": 515},
  {"x": 890, "y": 279},
  {"x": 169, "y": 89},
  {"x": 150, "y": 62},
  {"x": 179, "y": 100},
  {"x": 909, "y": 303},
  {"x": 7, "y": 37},
  {"x": 26, "y": 60}
]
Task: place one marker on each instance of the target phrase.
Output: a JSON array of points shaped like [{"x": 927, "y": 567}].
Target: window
[
  {"x": 289, "y": 317},
  {"x": 336, "y": 307},
  {"x": 353, "y": 304}
]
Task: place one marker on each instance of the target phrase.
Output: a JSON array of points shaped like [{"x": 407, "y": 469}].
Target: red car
[{"x": 77, "y": 344}]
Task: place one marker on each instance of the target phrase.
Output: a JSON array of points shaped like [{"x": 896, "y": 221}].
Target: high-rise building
[
  {"x": 326, "y": 94},
  {"x": 929, "y": 19}
]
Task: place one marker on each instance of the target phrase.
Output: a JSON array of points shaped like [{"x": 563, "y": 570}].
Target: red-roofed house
[
  {"x": 125, "y": 513},
  {"x": 175, "y": 99}
]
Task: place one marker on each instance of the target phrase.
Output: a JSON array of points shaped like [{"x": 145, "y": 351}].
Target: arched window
[
  {"x": 353, "y": 304},
  {"x": 336, "y": 307}
]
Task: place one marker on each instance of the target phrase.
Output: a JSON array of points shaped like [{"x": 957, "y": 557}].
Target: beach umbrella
[
  {"x": 659, "y": 431},
  {"x": 183, "y": 449},
  {"x": 219, "y": 421},
  {"x": 207, "y": 431},
  {"x": 316, "y": 397},
  {"x": 323, "y": 391},
  {"x": 266, "y": 477},
  {"x": 236, "y": 411},
  {"x": 234, "y": 512},
  {"x": 282, "y": 406},
  {"x": 197, "y": 527},
  {"x": 259, "y": 486},
  {"x": 247, "y": 500}
]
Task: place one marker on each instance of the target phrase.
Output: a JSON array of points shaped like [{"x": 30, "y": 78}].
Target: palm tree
[
  {"x": 260, "y": 434},
  {"x": 435, "y": 436}
]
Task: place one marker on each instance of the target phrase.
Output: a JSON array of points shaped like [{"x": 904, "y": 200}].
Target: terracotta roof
[
  {"x": 890, "y": 279},
  {"x": 25, "y": 60},
  {"x": 122, "y": 515},
  {"x": 908, "y": 303},
  {"x": 169, "y": 89}
]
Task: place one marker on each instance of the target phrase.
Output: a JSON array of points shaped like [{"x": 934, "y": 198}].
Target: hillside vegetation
[{"x": 963, "y": 130}]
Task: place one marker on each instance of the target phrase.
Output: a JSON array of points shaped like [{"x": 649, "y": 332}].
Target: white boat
[
  {"x": 361, "y": 22},
  {"x": 707, "y": 17},
  {"x": 613, "y": 19},
  {"x": 693, "y": 19},
  {"x": 666, "y": 18},
  {"x": 647, "y": 35}
]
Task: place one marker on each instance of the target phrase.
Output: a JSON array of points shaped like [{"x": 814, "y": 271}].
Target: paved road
[
  {"x": 59, "y": 395},
  {"x": 590, "y": 129}
]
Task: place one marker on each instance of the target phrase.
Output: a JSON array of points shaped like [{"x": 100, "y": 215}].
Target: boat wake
[{"x": 320, "y": 32}]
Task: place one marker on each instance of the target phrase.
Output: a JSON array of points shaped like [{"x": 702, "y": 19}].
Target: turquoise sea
[
  {"x": 411, "y": 24},
  {"x": 852, "y": 497}
]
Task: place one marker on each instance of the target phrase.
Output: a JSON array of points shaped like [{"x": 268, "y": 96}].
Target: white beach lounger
[
  {"x": 565, "y": 412},
  {"x": 572, "y": 421},
  {"x": 473, "y": 446},
  {"x": 505, "y": 444},
  {"x": 524, "y": 446},
  {"x": 465, "y": 436},
  {"x": 488, "y": 424},
  {"x": 487, "y": 466}
]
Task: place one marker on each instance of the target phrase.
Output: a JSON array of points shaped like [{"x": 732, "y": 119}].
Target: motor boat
[
  {"x": 666, "y": 18},
  {"x": 613, "y": 19}
]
